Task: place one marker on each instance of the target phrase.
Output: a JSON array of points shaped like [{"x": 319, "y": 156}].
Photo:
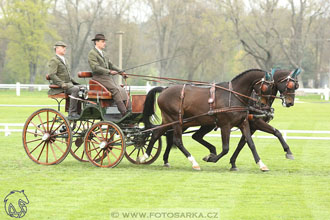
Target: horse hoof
[
  {"x": 206, "y": 158},
  {"x": 167, "y": 165},
  {"x": 234, "y": 169},
  {"x": 289, "y": 156},
  {"x": 196, "y": 168},
  {"x": 264, "y": 169}
]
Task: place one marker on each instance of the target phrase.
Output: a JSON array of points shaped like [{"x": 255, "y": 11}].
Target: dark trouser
[
  {"x": 73, "y": 91},
  {"x": 116, "y": 91}
]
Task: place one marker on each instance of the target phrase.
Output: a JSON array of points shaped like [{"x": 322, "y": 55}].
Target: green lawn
[{"x": 297, "y": 189}]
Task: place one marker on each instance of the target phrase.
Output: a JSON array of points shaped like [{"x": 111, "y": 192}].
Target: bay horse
[
  {"x": 184, "y": 106},
  {"x": 286, "y": 83}
]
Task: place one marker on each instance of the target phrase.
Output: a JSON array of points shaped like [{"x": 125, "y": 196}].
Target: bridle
[
  {"x": 265, "y": 85},
  {"x": 291, "y": 84}
]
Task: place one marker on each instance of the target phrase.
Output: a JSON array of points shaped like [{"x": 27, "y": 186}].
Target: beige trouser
[
  {"x": 118, "y": 93},
  {"x": 73, "y": 91}
]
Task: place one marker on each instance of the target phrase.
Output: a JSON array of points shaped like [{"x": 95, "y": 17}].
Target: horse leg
[
  {"x": 198, "y": 136},
  {"x": 245, "y": 129},
  {"x": 169, "y": 144},
  {"x": 177, "y": 140},
  {"x": 238, "y": 149},
  {"x": 156, "y": 134},
  {"x": 225, "y": 135},
  {"x": 265, "y": 127}
]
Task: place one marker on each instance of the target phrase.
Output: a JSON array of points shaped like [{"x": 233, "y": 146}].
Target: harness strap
[
  {"x": 230, "y": 86},
  {"x": 181, "y": 104},
  {"x": 192, "y": 81},
  {"x": 211, "y": 100},
  {"x": 209, "y": 113}
]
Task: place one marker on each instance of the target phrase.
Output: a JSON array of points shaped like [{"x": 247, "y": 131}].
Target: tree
[
  {"x": 27, "y": 33},
  {"x": 167, "y": 18},
  {"x": 295, "y": 43},
  {"x": 3, "y": 40},
  {"x": 75, "y": 25},
  {"x": 253, "y": 29}
]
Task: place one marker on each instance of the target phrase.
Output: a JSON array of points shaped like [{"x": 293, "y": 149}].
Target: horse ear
[
  {"x": 273, "y": 72},
  {"x": 296, "y": 73},
  {"x": 267, "y": 76}
]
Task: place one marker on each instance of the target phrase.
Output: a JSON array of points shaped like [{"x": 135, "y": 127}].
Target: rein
[
  {"x": 194, "y": 82},
  {"x": 209, "y": 113}
]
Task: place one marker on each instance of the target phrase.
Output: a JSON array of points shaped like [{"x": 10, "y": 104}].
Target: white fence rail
[
  {"x": 9, "y": 128},
  {"x": 325, "y": 93},
  {"x": 18, "y": 86}
]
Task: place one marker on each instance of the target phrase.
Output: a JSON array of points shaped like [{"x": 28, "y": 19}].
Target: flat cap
[{"x": 60, "y": 43}]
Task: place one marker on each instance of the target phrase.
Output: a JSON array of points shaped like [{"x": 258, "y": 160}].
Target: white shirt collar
[
  {"x": 100, "y": 51},
  {"x": 62, "y": 58}
]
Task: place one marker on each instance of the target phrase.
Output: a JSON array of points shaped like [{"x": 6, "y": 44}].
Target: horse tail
[{"x": 149, "y": 106}]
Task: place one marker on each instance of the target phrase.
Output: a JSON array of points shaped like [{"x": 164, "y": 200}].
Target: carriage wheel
[
  {"x": 47, "y": 137},
  {"x": 79, "y": 130},
  {"x": 133, "y": 152},
  {"x": 104, "y": 144}
]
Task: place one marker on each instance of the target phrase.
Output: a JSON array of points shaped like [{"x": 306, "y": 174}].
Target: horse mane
[{"x": 246, "y": 72}]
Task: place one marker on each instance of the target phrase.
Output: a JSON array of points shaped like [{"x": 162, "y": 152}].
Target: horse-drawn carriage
[
  {"x": 100, "y": 135},
  {"x": 103, "y": 137}
]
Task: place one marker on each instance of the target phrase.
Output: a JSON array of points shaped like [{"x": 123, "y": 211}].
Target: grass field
[{"x": 297, "y": 189}]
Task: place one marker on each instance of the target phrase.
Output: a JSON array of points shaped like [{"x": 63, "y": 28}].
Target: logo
[{"x": 15, "y": 204}]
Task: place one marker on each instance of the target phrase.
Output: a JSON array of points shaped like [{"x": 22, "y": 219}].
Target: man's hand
[
  {"x": 124, "y": 75},
  {"x": 113, "y": 72},
  {"x": 64, "y": 86}
]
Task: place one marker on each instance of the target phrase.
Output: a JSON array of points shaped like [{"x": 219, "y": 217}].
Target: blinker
[
  {"x": 290, "y": 85},
  {"x": 264, "y": 87}
]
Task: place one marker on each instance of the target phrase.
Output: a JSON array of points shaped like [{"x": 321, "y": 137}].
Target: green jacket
[
  {"x": 100, "y": 65},
  {"x": 59, "y": 74}
]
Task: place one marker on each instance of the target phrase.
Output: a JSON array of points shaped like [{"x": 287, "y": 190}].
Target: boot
[{"x": 121, "y": 107}]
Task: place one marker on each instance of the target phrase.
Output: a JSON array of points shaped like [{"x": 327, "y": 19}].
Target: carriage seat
[
  {"x": 96, "y": 89},
  {"x": 57, "y": 96}
]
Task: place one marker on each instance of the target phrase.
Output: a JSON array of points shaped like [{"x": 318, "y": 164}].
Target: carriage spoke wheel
[
  {"x": 47, "y": 137},
  {"x": 78, "y": 134},
  {"x": 104, "y": 144},
  {"x": 135, "y": 151}
]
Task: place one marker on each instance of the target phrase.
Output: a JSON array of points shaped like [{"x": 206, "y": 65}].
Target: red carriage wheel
[
  {"x": 79, "y": 130},
  {"x": 139, "y": 148},
  {"x": 104, "y": 144},
  {"x": 47, "y": 137}
]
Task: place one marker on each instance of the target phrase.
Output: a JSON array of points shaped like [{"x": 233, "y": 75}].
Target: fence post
[
  {"x": 284, "y": 135},
  {"x": 18, "y": 89},
  {"x": 148, "y": 87},
  {"x": 7, "y": 131},
  {"x": 326, "y": 93}
]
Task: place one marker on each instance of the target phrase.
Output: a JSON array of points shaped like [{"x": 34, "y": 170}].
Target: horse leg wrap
[
  {"x": 195, "y": 165},
  {"x": 144, "y": 157}
]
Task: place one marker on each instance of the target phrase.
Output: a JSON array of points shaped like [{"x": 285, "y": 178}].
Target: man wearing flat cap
[
  {"x": 59, "y": 73},
  {"x": 103, "y": 72}
]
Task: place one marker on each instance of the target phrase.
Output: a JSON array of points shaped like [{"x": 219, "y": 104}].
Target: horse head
[
  {"x": 264, "y": 88},
  {"x": 287, "y": 85}
]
